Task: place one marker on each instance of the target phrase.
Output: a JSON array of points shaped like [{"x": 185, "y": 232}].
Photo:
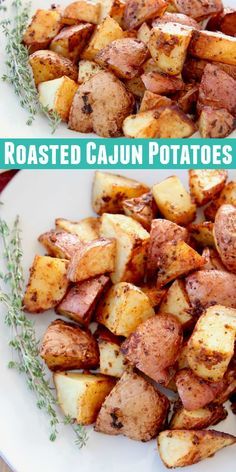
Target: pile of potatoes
[
  {"x": 162, "y": 291},
  {"x": 138, "y": 68}
]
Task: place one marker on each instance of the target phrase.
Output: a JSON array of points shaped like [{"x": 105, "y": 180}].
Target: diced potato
[
  {"x": 179, "y": 448},
  {"x": 206, "y": 184},
  {"x": 81, "y": 395},
  {"x": 142, "y": 209},
  {"x": 179, "y": 18},
  {"x": 174, "y": 201},
  {"x": 228, "y": 22},
  {"x": 198, "y": 9},
  {"x": 155, "y": 296},
  {"x": 187, "y": 99},
  {"x": 230, "y": 384},
  {"x": 124, "y": 307},
  {"x": 86, "y": 229},
  {"x": 139, "y": 11},
  {"x": 81, "y": 11},
  {"x": 211, "y": 346},
  {"x": 168, "y": 46},
  {"x": 177, "y": 303},
  {"x": 213, "y": 47},
  {"x": 65, "y": 347},
  {"x": 91, "y": 259},
  {"x": 59, "y": 243},
  {"x": 57, "y": 95},
  {"x": 142, "y": 125},
  {"x": 109, "y": 30},
  {"x": 215, "y": 123},
  {"x": 144, "y": 349},
  {"x": 202, "y": 233},
  {"x": 131, "y": 247},
  {"x": 135, "y": 86},
  {"x": 161, "y": 84},
  {"x": 71, "y": 41},
  {"x": 116, "y": 11},
  {"x": 47, "y": 284},
  {"x": 212, "y": 260},
  {"x": 80, "y": 302},
  {"x": 47, "y": 65},
  {"x": 225, "y": 236},
  {"x": 109, "y": 191},
  {"x": 194, "y": 68},
  {"x": 133, "y": 408},
  {"x": 152, "y": 101},
  {"x": 44, "y": 26},
  {"x": 87, "y": 69},
  {"x": 144, "y": 33},
  {"x": 112, "y": 361},
  {"x": 197, "y": 419},
  {"x": 228, "y": 195}
]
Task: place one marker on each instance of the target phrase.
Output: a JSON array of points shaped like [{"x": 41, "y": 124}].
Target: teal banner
[{"x": 117, "y": 153}]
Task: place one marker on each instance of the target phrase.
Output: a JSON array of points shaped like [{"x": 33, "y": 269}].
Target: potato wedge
[
  {"x": 145, "y": 347},
  {"x": 174, "y": 201},
  {"x": 133, "y": 408},
  {"x": 124, "y": 307},
  {"x": 198, "y": 9},
  {"x": 81, "y": 396},
  {"x": 59, "y": 243},
  {"x": 153, "y": 101},
  {"x": 109, "y": 30},
  {"x": 44, "y": 26},
  {"x": 217, "y": 90},
  {"x": 176, "y": 302},
  {"x": 137, "y": 12},
  {"x": 179, "y": 18},
  {"x": 94, "y": 258},
  {"x": 47, "y": 65},
  {"x": 143, "y": 33},
  {"x": 168, "y": 46},
  {"x": 101, "y": 104},
  {"x": 142, "y": 209},
  {"x": 71, "y": 40},
  {"x": 211, "y": 346},
  {"x": 206, "y": 184},
  {"x": 86, "y": 229},
  {"x": 65, "y": 347},
  {"x": 142, "y": 125},
  {"x": 202, "y": 233},
  {"x": 112, "y": 361},
  {"x": 209, "y": 287},
  {"x": 110, "y": 190},
  {"x": 215, "y": 123},
  {"x": 80, "y": 302},
  {"x": 227, "y": 196},
  {"x": 47, "y": 284},
  {"x": 212, "y": 260},
  {"x": 87, "y": 69},
  {"x": 81, "y": 11},
  {"x": 197, "y": 419},
  {"x": 131, "y": 247},
  {"x": 213, "y": 46},
  {"x": 225, "y": 236},
  {"x": 123, "y": 57},
  {"x": 57, "y": 95},
  {"x": 179, "y": 448},
  {"x": 161, "y": 84}
]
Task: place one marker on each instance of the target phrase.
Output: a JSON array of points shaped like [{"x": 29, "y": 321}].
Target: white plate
[
  {"x": 13, "y": 122},
  {"x": 39, "y": 197}
]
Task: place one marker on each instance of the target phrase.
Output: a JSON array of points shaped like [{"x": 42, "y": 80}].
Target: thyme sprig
[
  {"x": 19, "y": 74},
  {"x": 79, "y": 430}
]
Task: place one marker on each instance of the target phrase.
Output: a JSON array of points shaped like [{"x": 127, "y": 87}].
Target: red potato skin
[
  {"x": 225, "y": 22},
  {"x": 161, "y": 84},
  {"x": 176, "y": 18},
  {"x": 57, "y": 242},
  {"x": 198, "y": 9},
  {"x": 103, "y": 334},
  {"x": 193, "y": 69},
  {"x": 225, "y": 235},
  {"x": 137, "y": 11}
]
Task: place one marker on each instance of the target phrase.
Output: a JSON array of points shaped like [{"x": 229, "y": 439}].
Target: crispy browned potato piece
[
  {"x": 86, "y": 229},
  {"x": 145, "y": 347},
  {"x": 161, "y": 84},
  {"x": 80, "y": 302},
  {"x": 225, "y": 22},
  {"x": 124, "y": 57},
  {"x": 71, "y": 41},
  {"x": 133, "y": 408},
  {"x": 213, "y": 46},
  {"x": 47, "y": 65},
  {"x": 206, "y": 184},
  {"x": 230, "y": 384},
  {"x": 217, "y": 89},
  {"x": 202, "y": 233},
  {"x": 187, "y": 99},
  {"x": 138, "y": 11},
  {"x": 180, "y": 447},
  {"x": 215, "y": 123},
  {"x": 212, "y": 260},
  {"x": 176, "y": 303},
  {"x": 142, "y": 209},
  {"x": 81, "y": 11},
  {"x": 155, "y": 296},
  {"x": 197, "y": 419},
  {"x": 207, "y": 287},
  {"x": 195, "y": 392},
  {"x": 194, "y": 68},
  {"x": 225, "y": 235},
  {"x": 65, "y": 347},
  {"x": 91, "y": 259},
  {"x": 57, "y": 95},
  {"x": 135, "y": 86},
  {"x": 59, "y": 243},
  {"x": 227, "y": 196},
  {"x": 105, "y": 33},
  {"x": 101, "y": 104},
  {"x": 113, "y": 8},
  {"x": 44, "y": 26},
  {"x": 180, "y": 18},
  {"x": 198, "y": 9},
  {"x": 152, "y": 101}
]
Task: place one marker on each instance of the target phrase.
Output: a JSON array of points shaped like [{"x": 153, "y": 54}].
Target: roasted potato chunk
[
  {"x": 123, "y": 308},
  {"x": 215, "y": 123},
  {"x": 113, "y": 8},
  {"x": 179, "y": 18},
  {"x": 187, "y": 99},
  {"x": 59, "y": 243},
  {"x": 213, "y": 47},
  {"x": 212, "y": 260},
  {"x": 202, "y": 233},
  {"x": 176, "y": 302},
  {"x": 174, "y": 201},
  {"x": 44, "y": 26},
  {"x": 133, "y": 408},
  {"x": 230, "y": 384},
  {"x": 80, "y": 302},
  {"x": 206, "y": 184},
  {"x": 81, "y": 11},
  {"x": 153, "y": 101},
  {"x": 145, "y": 347},
  {"x": 135, "y": 86},
  {"x": 142, "y": 209},
  {"x": 217, "y": 90},
  {"x": 109, "y": 30},
  {"x": 198, "y": 9},
  {"x": 101, "y": 104},
  {"x": 211, "y": 346},
  {"x": 197, "y": 419},
  {"x": 112, "y": 361},
  {"x": 124, "y": 57},
  {"x": 161, "y": 84},
  {"x": 57, "y": 95},
  {"x": 86, "y": 229},
  {"x": 87, "y": 69},
  {"x": 81, "y": 396},
  {"x": 168, "y": 46},
  {"x": 181, "y": 447},
  {"x": 94, "y": 258},
  {"x": 225, "y": 235},
  {"x": 47, "y": 65},
  {"x": 71, "y": 41},
  {"x": 155, "y": 296},
  {"x": 137, "y": 12},
  {"x": 194, "y": 68},
  {"x": 131, "y": 247},
  {"x": 47, "y": 284},
  {"x": 65, "y": 347},
  {"x": 227, "y": 196},
  {"x": 227, "y": 23},
  {"x": 143, "y": 33}
]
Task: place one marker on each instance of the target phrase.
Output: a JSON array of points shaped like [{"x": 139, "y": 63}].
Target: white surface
[
  {"x": 39, "y": 197},
  {"x": 13, "y": 117}
]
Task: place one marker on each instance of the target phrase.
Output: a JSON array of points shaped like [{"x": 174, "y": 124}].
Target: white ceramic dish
[
  {"x": 13, "y": 117},
  {"x": 38, "y": 197}
]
